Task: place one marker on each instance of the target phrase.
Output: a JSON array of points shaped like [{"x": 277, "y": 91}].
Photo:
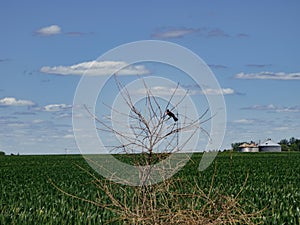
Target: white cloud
[
  {"x": 97, "y": 68},
  {"x": 48, "y": 31},
  {"x": 288, "y": 109},
  {"x": 17, "y": 124},
  {"x": 68, "y": 136},
  {"x": 174, "y": 33},
  {"x": 161, "y": 91},
  {"x": 261, "y": 107},
  {"x": 227, "y": 91},
  {"x": 283, "y": 128},
  {"x": 269, "y": 76},
  {"x": 167, "y": 91},
  {"x": 9, "y": 101},
  {"x": 244, "y": 121},
  {"x": 224, "y": 91},
  {"x": 168, "y": 33},
  {"x": 274, "y": 108},
  {"x": 56, "y": 107}
]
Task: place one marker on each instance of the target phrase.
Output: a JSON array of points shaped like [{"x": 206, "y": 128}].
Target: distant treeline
[{"x": 293, "y": 144}]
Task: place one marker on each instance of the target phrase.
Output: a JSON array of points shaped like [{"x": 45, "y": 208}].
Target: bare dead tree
[{"x": 152, "y": 132}]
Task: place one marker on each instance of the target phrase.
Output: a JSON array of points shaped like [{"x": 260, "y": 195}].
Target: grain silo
[
  {"x": 248, "y": 147},
  {"x": 269, "y": 146}
]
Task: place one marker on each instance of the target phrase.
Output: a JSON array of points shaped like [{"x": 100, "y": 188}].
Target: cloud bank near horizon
[
  {"x": 273, "y": 108},
  {"x": 268, "y": 76}
]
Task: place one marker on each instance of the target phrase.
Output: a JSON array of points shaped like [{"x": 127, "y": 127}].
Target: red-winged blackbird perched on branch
[{"x": 169, "y": 113}]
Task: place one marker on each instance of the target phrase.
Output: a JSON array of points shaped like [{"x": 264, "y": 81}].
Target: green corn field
[{"x": 61, "y": 189}]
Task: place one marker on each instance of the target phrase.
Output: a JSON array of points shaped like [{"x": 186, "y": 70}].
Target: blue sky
[{"x": 251, "y": 46}]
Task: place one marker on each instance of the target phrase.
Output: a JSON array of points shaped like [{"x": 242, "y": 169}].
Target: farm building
[
  {"x": 248, "y": 147},
  {"x": 269, "y": 146}
]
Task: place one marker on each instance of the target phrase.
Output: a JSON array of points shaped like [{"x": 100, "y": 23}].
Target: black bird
[{"x": 169, "y": 113}]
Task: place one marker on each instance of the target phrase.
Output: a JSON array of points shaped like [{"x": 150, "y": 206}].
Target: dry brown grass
[{"x": 169, "y": 203}]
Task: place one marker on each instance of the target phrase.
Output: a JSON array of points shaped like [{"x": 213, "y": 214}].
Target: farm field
[{"x": 263, "y": 181}]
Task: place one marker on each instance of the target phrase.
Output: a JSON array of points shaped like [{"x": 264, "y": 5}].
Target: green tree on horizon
[{"x": 293, "y": 144}]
